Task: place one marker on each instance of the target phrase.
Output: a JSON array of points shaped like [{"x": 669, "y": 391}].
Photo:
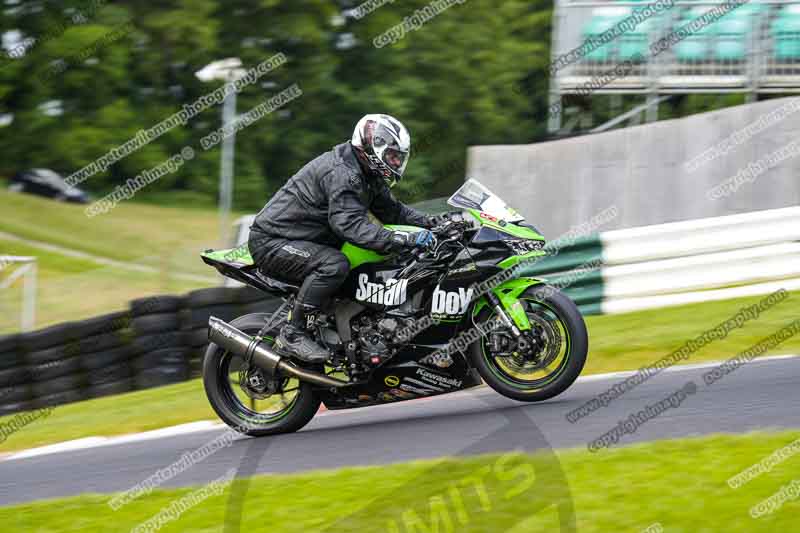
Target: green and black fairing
[{"x": 408, "y": 326}]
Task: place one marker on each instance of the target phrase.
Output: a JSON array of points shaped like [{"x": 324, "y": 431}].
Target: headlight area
[{"x": 523, "y": 246}]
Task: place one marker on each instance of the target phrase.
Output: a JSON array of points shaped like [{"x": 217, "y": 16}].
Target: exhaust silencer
[{"x": 239, "y": 343}]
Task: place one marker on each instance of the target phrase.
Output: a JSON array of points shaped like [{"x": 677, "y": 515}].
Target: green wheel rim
[{"x": 541, "y": 382}]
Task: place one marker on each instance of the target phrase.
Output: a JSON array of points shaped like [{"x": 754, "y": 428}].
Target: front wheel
[
  {"x": 545, "y": 361},
  {"x": 247, "y": 400}
]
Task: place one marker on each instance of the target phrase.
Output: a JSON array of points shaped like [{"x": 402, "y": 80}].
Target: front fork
[
  {"x": 498, "y": 307},
  {"x": 504, "y": 299}
]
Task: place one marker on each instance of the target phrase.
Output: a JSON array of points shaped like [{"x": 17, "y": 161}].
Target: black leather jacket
[{"x": 327, "y": 202}]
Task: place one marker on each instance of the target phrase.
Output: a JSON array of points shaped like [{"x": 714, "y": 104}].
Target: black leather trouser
[{"x": 319, "y": 270}]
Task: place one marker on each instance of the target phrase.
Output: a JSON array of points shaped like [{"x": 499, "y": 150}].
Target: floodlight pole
[
  {"x": 227, "y": 70},
  {"x": 226, "y": 166}
]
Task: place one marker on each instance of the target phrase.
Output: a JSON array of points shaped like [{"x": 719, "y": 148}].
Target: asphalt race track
[{"x": 759, "y": 395}]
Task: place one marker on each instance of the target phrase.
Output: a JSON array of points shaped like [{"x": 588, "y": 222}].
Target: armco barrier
[
  {"x": 573, "y": 267},
  {"x": 158, "y": 340},
  {"x": 701, "y": 260},
  {"x": 678, "y": 263}
]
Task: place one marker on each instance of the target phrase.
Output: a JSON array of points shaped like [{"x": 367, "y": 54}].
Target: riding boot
[{"x": 296, "y": 338}]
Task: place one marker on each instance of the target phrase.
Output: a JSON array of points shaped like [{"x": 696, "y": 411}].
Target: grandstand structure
[{"x": 665, "y": 47}]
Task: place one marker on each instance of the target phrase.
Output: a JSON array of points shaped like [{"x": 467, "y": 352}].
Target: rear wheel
[
  {"x": 249, "y": 401},
  {"x": 548, "y": 359}
]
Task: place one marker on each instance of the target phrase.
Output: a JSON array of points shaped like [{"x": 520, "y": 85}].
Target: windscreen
[{"x": 473, "y": 195}]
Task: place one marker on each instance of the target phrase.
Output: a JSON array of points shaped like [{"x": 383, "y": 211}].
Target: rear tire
[
  {"x": 296, "y": 415},
  {"x": 565, "y": 375}
]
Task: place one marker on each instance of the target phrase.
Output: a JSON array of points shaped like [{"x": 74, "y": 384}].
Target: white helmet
[{"x": 383, "y": 144}]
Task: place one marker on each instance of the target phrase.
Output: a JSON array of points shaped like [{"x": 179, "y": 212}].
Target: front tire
[
  {"x": 545, "y": 306},
  {"x": 230, "y": 404}
]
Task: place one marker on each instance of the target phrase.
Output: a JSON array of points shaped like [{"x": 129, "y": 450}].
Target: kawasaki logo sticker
[
  {"x": 391, "y": 293},
  {"x": 451, "y": 303},
  {"x": 430, "y": 377}
]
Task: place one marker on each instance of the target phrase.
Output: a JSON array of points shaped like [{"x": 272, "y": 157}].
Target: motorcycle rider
[{"x": 297, "y": 236}]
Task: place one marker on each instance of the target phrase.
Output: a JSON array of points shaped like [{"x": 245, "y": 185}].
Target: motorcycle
[{"x": 404, "y": 326}]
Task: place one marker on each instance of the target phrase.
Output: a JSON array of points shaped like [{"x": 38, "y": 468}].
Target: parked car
[{"x": 45, "y": 182}]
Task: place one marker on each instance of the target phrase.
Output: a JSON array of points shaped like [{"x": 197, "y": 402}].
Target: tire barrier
[{"x": 158, "y": 341}]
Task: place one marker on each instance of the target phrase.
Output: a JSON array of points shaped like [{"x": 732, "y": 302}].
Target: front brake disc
[{"x": 549, "y": 341}]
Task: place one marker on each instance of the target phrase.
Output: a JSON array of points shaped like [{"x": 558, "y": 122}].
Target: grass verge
[
  {"x": 632, "y": 340},
  {"x": 679, "y": 484},
  {"x": 132, "y": 232},
  {"x": 70, "y": 288}
]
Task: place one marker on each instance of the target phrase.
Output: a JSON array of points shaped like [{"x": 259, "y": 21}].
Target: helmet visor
[{"x": 395, "y": 160}]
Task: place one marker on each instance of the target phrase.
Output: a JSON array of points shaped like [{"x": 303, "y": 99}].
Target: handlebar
[
  {"x": 451, "y": 228},
  {"x": 450, "y": 231}
]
